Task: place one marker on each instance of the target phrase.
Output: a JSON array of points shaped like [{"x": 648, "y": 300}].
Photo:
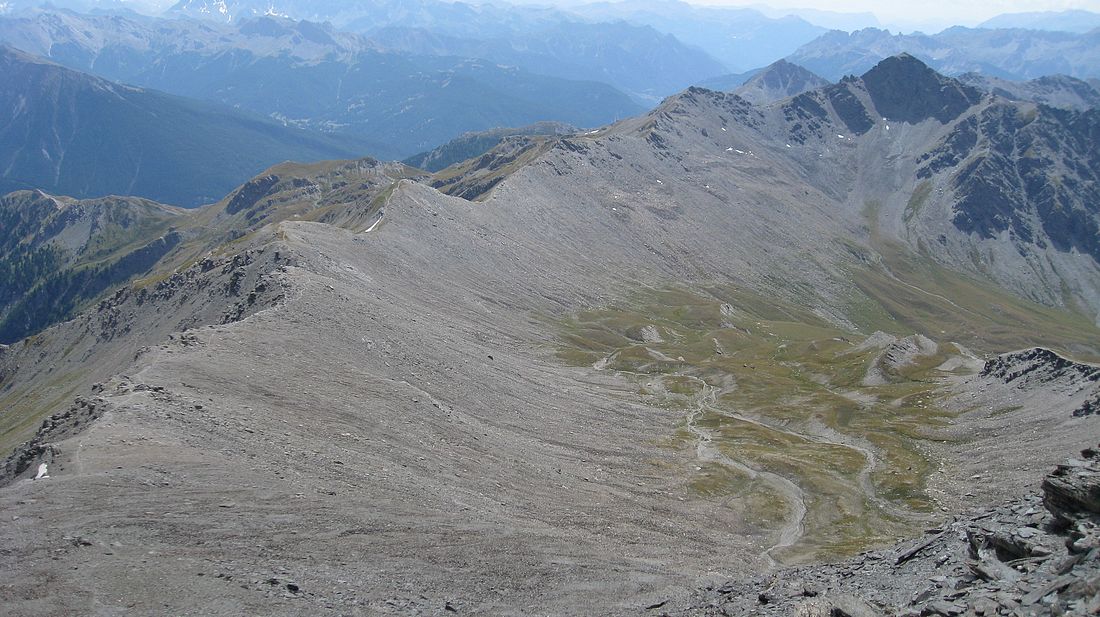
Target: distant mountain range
[
  {"x": 148, "y": 7},
  {"x": 71, "y": 133},
  {"x": 633, "y": 57},
  {"x": 741, "y": 38},
  {"x": 638, "y": 60},
  {"x": 310, "y": 75},
  {"x": 645, "y": 48},
  {"x": 1007, "y": 54},
  {"x": 729, "y": 81},
  {"x": 1063, "y": 21},
  {"x": 616, "y": 42}
]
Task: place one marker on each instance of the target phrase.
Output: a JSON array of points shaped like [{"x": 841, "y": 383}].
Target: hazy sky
[{"x": 963, "y": 12}]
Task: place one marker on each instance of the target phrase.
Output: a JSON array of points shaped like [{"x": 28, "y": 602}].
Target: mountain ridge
[
  {"x": 830, "y": 120},
  {"x": 1052, "y": 90},
  {"x": 1069, "y": 21},
  {"x": 954, "y": 51},
  {"x": 59, "y": 253}
]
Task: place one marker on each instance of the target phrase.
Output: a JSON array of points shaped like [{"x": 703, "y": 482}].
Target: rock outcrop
[
  {"x": 1037, "y": 555},
  {"x": 1031, "y": 368},
  {"x": 897, "y": 355}
]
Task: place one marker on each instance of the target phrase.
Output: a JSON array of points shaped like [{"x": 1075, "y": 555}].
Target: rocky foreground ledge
[{"x": 1037, "y": 555}]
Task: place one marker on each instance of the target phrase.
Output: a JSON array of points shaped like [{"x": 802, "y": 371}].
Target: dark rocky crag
[
  {"x": 903, "y": 88},
  {"x": 1042, "y": 367}
]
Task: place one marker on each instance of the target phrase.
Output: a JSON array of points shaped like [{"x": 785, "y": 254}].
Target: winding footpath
[
  {"x": 793, "y": 528},
  {"x": 705, "y": 452}
]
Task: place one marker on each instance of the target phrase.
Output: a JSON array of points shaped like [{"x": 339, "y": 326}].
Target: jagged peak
[
  {"x": 904, "y": 88},
  {"x": 905, "y": 64}
]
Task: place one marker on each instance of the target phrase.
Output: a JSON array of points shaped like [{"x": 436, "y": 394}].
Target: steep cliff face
[
  {"x": 1018, "y": 183},
  {"x": 1030, "y": 172},
  {"x": 1033, "y": 369}
]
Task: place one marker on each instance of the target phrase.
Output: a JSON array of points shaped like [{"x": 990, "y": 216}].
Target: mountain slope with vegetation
[
  {"x": 56, "y": 254},
  {"x": 67, "y": 132}
]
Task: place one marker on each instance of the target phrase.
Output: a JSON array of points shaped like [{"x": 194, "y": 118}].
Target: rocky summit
[{"x": 808, "y": 356}]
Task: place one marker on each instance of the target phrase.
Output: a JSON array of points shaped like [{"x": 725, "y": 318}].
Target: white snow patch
[
  {"x": 43, "y": 472},
  {"x": 375, "y": 224}
]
